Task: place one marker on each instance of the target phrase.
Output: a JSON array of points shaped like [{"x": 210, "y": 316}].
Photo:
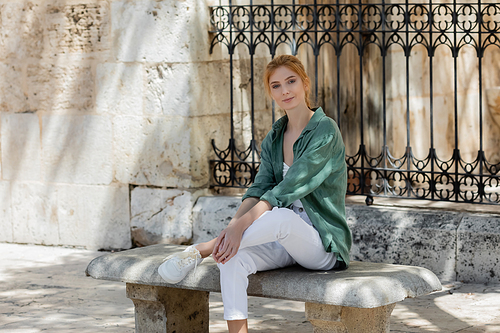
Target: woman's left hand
[{"x": 227, "y": 244}]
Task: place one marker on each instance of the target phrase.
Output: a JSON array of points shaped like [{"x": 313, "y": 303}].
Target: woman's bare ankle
[
  {"x": 206, "y": 248},
  {"x": 237, "y": 326}
]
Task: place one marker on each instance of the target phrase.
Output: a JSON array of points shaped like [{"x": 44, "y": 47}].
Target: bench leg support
[
  {"x": 340, "y": 319},
  {"x": 169, "y": 310}
]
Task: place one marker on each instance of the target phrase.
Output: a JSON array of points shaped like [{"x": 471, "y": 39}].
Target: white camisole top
[{"x": 297, "y": 206}]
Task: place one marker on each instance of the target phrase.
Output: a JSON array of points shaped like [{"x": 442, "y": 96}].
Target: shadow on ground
[{"x": 45, "y": 289}]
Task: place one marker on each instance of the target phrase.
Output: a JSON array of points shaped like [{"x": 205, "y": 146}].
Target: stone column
[
  {"x": 340, "y": 319},
  {"x": 168, "y": 310}
]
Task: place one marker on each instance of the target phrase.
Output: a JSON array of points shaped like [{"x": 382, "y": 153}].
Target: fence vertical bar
[
  {"x": 384, "y": 103},
  {"x": 316, "y": 50},
  {"x": 360, "y": 53},
  {"x": 408, "y": 146},
  {"x": 431, "y": 102},
  {"x": 294, "y": 26},
  {"x": 337, "y": 53},
  {"x": 231, "y": 50},
  {"x": 252, "y": 120},
  {"x": 273, "y": 51},
  {"x": 456, "y": 154},
  {"x": 482, "y": 194}
]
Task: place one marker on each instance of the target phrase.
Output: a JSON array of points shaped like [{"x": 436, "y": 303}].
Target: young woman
[{"x": 294, "y": 212}]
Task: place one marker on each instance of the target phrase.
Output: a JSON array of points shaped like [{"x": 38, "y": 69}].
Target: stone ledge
[
  {"x": 406, "y": 237},
  {"x": 453, "y": 245},
  {"x": 477, "y": 247}
]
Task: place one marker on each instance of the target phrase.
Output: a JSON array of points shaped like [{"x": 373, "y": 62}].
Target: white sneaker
[{"x": 176, "y": 266}]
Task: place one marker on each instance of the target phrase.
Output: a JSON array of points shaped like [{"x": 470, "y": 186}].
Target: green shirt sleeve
[
  {"x": 308, "y": 171},
  {"x": 264, "y": 180}
]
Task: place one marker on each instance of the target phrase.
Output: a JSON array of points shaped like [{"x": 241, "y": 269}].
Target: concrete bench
[{"x": 359, "y": 299}]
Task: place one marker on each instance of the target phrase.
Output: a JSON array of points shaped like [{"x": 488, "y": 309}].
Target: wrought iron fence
[{"x": 387, "y": 26}]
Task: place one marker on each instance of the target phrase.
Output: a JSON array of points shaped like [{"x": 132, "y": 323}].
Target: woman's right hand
[{"x": 227, "y": 244}]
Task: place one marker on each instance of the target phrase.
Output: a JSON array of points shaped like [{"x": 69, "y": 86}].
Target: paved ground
[{"x": 45, "y": 289}]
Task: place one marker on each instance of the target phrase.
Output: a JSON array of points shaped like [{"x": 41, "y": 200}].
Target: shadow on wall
[
  {"x": 163, "y": 150},
  {"x": 56, "y": 138},
  {"x": 76, "y": 127},
  {"x": 97, "y": 99}
]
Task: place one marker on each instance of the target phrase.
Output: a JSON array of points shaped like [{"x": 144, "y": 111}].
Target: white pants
[{"x": 278, "y": 238}]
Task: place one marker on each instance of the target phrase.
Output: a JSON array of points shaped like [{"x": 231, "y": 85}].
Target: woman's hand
[{"x": 227, "y": 243}]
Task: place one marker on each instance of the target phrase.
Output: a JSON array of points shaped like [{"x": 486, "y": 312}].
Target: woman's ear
[{"x": 307, "y": 83}]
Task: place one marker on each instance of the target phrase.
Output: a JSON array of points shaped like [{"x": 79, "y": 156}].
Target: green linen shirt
[{"x": 318, "y": 177}]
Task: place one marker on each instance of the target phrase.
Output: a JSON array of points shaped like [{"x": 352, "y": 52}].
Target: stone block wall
[{"x": 107, "y": 109}]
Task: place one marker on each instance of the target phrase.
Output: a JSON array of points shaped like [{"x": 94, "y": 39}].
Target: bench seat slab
[
  {"x": 169, "y": 310},
  {"x": 327, "y": 318},
  {"x": 363, "y": 285}
]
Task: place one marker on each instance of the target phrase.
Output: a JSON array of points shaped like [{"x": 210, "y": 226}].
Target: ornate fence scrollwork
[{"x": 402, "y": 25}]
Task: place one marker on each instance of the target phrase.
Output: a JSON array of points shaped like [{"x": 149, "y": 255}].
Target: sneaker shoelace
[{"x": 184, "y": 259}]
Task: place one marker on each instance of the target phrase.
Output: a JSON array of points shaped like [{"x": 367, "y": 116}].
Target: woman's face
[{"x": 287, "y": 88}]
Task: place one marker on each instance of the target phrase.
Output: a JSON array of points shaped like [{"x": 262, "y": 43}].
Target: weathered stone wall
[{"x": 107, "y": 109}]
